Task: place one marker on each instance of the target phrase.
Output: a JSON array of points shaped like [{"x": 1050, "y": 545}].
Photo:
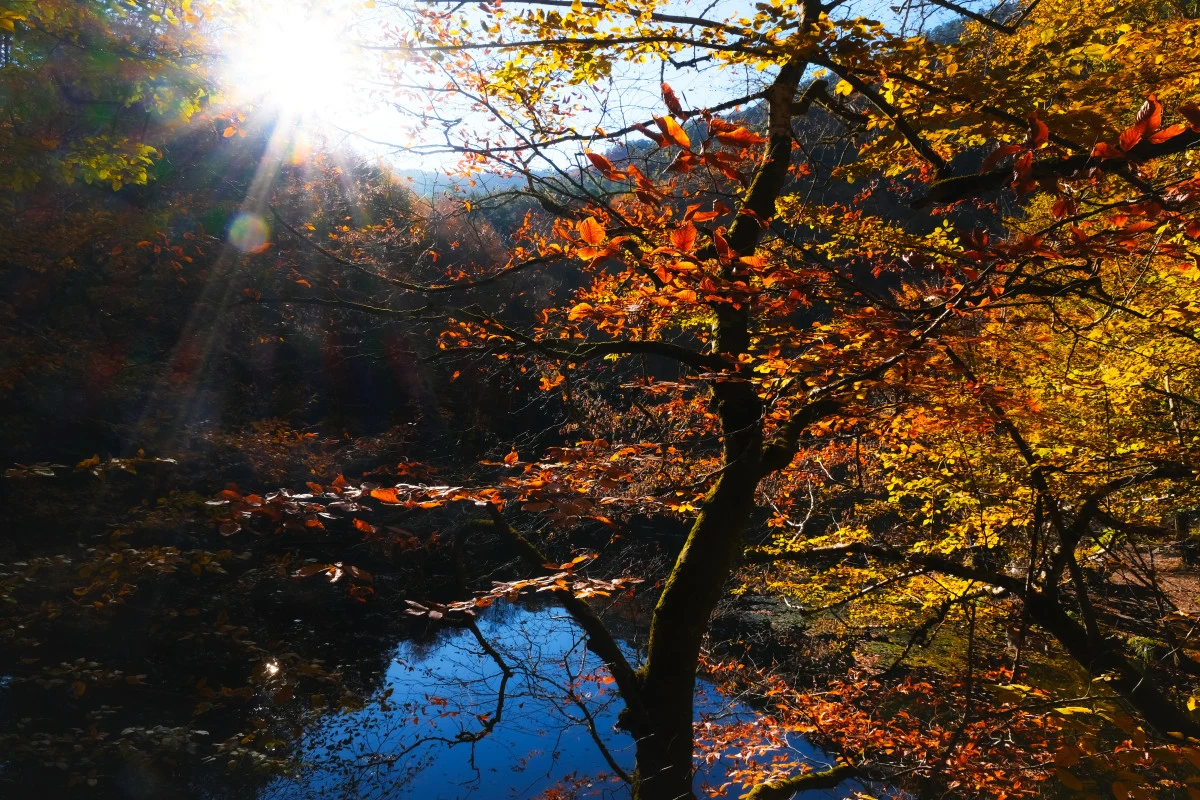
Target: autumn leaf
[
  {"x": 657, "y": 138},
  {"x": 1105, "y": 151},
  {"x": 673, "y": 132},
  {"x": 512, "y": 457},
  {"x": 723, "y": 249},
  {"x": 1038, "y": 134},
  {"x": 230, "y": 131},
  {"x": 364, "y": 526},
  {"x": 1168, "y": 133},
  {"x": 385, "y": 495},
  {"x": 1149, "y": 116},
  {"x": 998, "y": 155},
  {"x": 605, "y": 166},
  {"x": 683, "y": 238},
  {"x": 1191, "y": 112},
  {"x": 740, "y": 137},
  {"x": 580, "y": 311},
  {"x": 591, "y": 231},
  {"x": 672, "y": 101}
]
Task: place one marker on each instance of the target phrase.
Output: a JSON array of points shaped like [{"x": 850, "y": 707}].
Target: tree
[{"x": 749, "y": 314}]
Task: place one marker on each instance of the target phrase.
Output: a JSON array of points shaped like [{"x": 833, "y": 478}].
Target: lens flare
[{"x": 249, "y": 233}]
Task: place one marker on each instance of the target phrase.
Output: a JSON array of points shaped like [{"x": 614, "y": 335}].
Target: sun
[{"x": 297, "y": 59}]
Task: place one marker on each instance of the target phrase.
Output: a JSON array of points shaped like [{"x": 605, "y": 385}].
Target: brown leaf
[
  {"x": 1191, "y": 112},
  {"x": 672, "y": 101}
]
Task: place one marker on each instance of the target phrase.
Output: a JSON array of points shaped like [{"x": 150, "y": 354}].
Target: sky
[{"x": 301, "y": 63}]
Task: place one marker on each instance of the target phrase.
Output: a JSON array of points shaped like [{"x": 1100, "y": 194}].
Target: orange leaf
[
  {"x": 1158, "y": 137},
  {"x": 723, "y": 248},
  {"x": 512, "y": 458},
  {"x": 591, "y": 231},
  {"x": 364, "y": 526},
  {"x": 740, "y": 137},
  {"x": 387, "y": 495},
  {"x": 1105, "y": 151},
  {"x": 1149, "y": 116},
  {"x": 683, "y": 238},
  {"x": 1131, "y": 136},
  {"x": 230, "y": 131},
  {"x": 605, "y": 166},
  {"x": 673, "y": 132},
  {"x": 580, "y": 311},
  {"x": 657, "y": 138}
]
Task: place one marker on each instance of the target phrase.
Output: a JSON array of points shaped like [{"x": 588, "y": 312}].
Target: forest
[{"x": 569, "y": 399}]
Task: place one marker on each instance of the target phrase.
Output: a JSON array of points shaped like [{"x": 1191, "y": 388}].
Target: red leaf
[
  {"x": 723, "y": 248},
  {"x": 364, "y": 526},
  {"x": 1039, "y": 134},
  {"x": 998, "y": 155}
]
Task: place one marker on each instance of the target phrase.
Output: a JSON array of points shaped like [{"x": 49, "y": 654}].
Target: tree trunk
[{"x": 664, "y": 759}]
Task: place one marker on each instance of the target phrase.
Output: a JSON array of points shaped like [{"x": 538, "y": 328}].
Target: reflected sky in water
[{"x": 447, "y": 724}]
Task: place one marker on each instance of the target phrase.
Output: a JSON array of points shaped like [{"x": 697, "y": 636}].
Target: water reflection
[{"x": 510, "y": 709}]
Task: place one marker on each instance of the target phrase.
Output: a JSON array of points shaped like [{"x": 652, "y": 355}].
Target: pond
[{"x": 511, "y": 709}]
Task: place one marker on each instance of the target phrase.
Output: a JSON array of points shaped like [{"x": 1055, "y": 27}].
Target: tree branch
[{"x": 786, "y": 788}]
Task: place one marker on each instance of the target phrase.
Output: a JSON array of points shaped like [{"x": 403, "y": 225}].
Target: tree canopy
[{"x": 901, "y": 329}]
